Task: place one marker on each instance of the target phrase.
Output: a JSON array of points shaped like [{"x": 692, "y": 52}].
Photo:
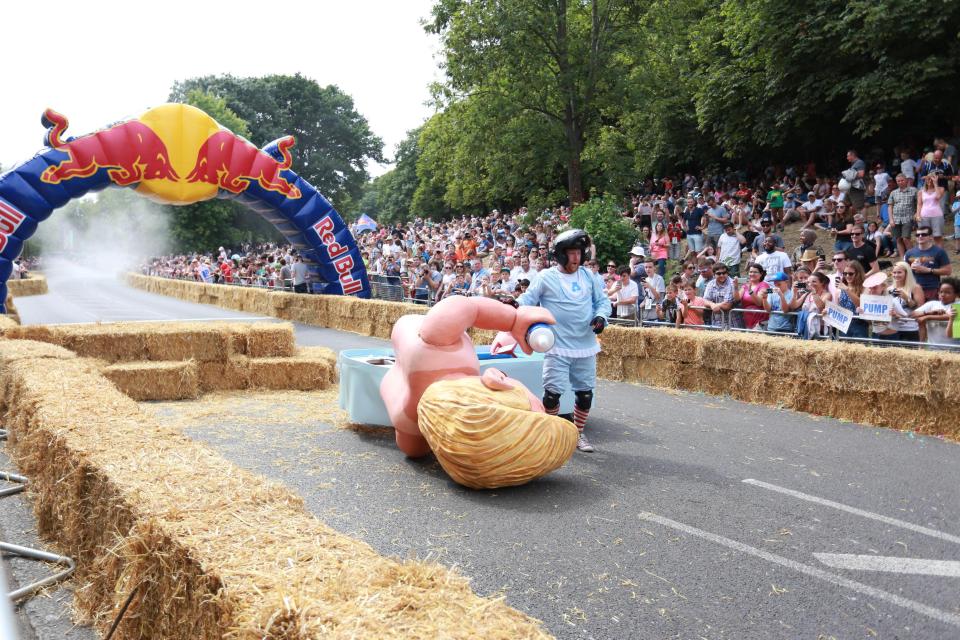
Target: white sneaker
[{"x": 583, "y": 444}]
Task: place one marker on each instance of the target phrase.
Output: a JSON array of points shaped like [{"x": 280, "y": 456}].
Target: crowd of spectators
[
  {"x": 264, "y": 265},
  {"x": 711, "y": 251},
  {"x": 23, "y": 267}
]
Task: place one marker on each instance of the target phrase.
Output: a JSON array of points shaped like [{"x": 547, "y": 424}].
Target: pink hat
[{"x": 875, "y": 280}]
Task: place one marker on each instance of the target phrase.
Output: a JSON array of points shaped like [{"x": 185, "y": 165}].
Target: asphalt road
[{"x": 698, "y": 516}]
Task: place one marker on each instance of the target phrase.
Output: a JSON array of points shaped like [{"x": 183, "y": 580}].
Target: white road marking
[
  {"x": 234, "y": 319},
  {"x": 933, "y": 533},
  {"x": 890, "y": 564},
  {"x": 814, "y": 572}
]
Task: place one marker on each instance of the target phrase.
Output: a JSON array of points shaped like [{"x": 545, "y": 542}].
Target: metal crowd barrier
[
  {"x": 8, "y": 623},
  {"x": 833, "y": 333},
  {"x": 392, "y": 289}
]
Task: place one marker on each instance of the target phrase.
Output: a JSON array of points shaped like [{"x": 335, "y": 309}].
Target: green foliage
[
  {"x": 333, "y": 141},
  {"x": 216, "y": 107},
  {"x": 541, "y": 72},
  {"x": 206, "y": 225},
  {"x": 612, "y": 234},
  {"x": 550, "y": 100}
]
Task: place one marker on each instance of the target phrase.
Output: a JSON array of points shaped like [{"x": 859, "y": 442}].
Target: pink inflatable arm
[{"x": 445, "y": 323}]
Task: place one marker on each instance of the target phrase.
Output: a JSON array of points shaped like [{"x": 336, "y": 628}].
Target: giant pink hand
[{"x": 503, "y": 343}]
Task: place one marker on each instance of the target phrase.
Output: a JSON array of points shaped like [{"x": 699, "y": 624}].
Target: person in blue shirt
[{"x": 575, "y": 296}]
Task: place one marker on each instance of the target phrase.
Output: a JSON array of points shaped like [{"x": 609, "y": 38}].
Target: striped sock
[
  {"x": 580, "y": 417},
  {"x": 555, "y": 411}
]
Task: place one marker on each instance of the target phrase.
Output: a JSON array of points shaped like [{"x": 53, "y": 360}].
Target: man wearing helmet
[{"x": 575, "y": 296}]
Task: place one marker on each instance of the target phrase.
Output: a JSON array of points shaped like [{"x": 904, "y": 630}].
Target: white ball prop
[{"x": 540, "y": 337}]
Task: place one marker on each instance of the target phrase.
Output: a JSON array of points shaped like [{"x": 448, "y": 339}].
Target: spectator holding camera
[
  {"x": 810, "y": 322},
  {"x": 651, "y": 288},
  {"x": 625, "y": 295},
  {"x": 781, "y": 300}
]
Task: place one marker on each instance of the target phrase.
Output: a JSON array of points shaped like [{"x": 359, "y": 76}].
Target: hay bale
[
  {"x": 155, "y": 380},
  {"x": 677, "y": 345},
  {"x": 310, "y": 369},
  {"x": 35, "y": 285},
  {"x": 12, "y": 312},
  {"x": 653, "y": 372},
  {"x": 323, "y": 354},
  {"x": 35, "y": 332},
  {"x": 229, "y": 375},
  {"x": 623, "y": 341},
  {"x": 201, "y": 341},
  {"x": 270, "y": 340},
  {"x": 214, "y": 551},
  {"x": 13, "y": 350},
  {"x": 8, "y": 322},
  {"x": 108, "y": 342}
]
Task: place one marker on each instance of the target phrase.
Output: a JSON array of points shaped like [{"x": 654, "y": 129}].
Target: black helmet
[{"x": 571, "y": 239}]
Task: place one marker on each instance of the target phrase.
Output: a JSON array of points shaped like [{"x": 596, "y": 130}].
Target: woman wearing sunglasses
[{"x": 851, "y": 288}]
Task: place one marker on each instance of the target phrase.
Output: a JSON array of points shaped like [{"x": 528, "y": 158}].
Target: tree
[
  {"x": 396, "y": 188},
  {"x": 204, "y": 226},
  {"x": 561, "y": 60},
  {"x": 820, "y": 75},
  {"x": 333, "y": 141},
  {"x": 612, "y": 234}
]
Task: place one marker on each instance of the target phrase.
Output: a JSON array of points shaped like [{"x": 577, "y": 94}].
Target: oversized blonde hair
[{"x": 486, "y": 439}]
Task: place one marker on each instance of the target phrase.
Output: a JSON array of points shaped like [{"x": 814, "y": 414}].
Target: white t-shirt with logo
[
  {"x": 729, "y": 249},
  {"x": 773, "y": 263},
  {"x": 936, "y": 329}
]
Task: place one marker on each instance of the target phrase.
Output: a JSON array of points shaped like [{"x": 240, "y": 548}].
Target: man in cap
[
  {"x": 575, "y": 296},
  {"x": 812, "y": 210}
]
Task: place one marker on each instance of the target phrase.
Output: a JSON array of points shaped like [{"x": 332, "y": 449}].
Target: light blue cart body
[{"x": 360, "y": 380}]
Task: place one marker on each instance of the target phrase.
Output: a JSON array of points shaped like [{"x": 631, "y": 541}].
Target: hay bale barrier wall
[
  {"x": 180, "y": 360},
  {"x": 903, "y": 389},
  {"x": 210, "y": 550},
  {"x": 35, "y": 285}
]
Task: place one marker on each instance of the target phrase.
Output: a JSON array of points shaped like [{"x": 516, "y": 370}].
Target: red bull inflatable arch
[{"x": 177, "y": 154}]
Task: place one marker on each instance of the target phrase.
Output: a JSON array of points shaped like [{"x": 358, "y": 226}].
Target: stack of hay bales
[
  {"x": 205, "y": 550},
  {"x": 35, "y": 285},
  {"x": 175, "y": 361},
  {"x": 366, "y": 317},
  {"x": 905, "y": 389}
]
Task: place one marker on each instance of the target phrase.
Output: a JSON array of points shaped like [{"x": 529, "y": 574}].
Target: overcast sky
[{"x": 100, "y": 62}]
